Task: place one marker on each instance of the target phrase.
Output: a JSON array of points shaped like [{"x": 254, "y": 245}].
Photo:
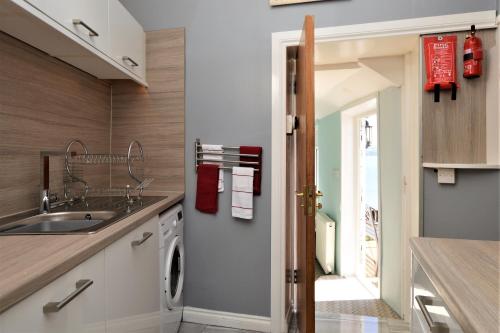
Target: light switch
[{"x": 446, "y": 176}]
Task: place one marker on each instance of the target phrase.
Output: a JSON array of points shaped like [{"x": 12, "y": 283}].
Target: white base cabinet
[
  {"x": 84, "y": 313},
  {"x": 132, "y": 280},
  {"x": 429, "y": 313},
  {"x": 116, "y": 290}
]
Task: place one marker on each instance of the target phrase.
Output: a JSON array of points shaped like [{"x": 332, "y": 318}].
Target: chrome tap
[
  {"x": 127, "y": 195},
  {"x": 45, "y": 201}
]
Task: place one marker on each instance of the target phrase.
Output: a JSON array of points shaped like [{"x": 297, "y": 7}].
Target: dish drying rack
[
  {"x": 74, "y": 164},
  {"x": 227, "y": 157}
]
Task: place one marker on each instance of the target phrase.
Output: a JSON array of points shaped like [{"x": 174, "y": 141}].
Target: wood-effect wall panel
[
  {"x": 456, "y": 131},
  {"x": 154, "y": 115},
  {"x": 43, "y": 104}
]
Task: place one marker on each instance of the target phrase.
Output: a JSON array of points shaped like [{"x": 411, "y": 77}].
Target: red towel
[
  {"x": 257, "y": 174},
  {"x": 207, "y": 188}
]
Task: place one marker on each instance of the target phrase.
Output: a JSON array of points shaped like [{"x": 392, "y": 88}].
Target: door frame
[
  {"x": 349, "y": 156},
  {"x": 411, "y": 167},
  {"x": 360, "y": 267}
]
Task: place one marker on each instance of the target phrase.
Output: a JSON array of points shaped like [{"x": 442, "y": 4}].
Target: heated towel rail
[{"x": 226, "y": 161}]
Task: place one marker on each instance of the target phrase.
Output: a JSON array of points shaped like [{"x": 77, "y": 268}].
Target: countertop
[
  {"x": 30, "y": 262},
  {"x": 466, "y": 274}
]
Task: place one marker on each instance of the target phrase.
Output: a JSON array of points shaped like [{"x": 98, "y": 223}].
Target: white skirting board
[{"x": 226, "y": 319}]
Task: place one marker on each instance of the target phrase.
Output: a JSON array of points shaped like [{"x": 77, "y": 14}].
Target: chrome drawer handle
[
  {"x": 81, "y": 285},
  {"x": 92, "y": 32},
  {"x": 145, "y": 237},
  {"x": 434, "y": 326},
  {"x": 132, "y": 62}
]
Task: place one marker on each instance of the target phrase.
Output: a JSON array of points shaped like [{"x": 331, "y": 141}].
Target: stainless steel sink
[
  {"x": 87, "y": 217},
  {"x": 59, "y": 222}
]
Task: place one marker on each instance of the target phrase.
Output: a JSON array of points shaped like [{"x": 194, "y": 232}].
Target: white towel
[
  {"x": 215, "y": 149},
  {"x": 242, "y": 206}
]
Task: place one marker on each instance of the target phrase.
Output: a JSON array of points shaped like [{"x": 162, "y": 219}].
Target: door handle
[
  {"x": 81, "y": 285},
  {"x": 132, "y": 62},
  {"x": 145, "y": 237},
  {"x": 434, "y": 326},
  {"x": 319, "y": 194},
  {"x": 92, "y": 32}
]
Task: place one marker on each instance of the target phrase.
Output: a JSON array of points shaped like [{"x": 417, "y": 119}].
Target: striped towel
[
  {"x": 215, "y": 149},
  {"x": 242, "y": 206}
]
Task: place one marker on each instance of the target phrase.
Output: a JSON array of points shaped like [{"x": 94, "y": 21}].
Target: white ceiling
[
  {"x": 352, "y": 50},
  {"x": 348, "y": 71}
]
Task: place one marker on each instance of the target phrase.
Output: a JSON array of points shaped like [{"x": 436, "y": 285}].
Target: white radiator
[{"x": 325, "y": 242}]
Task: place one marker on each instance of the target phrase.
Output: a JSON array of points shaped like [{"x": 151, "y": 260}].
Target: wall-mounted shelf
[{"x": 461, "y": 166}]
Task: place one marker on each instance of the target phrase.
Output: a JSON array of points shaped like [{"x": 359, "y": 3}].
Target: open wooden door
[{"x": 306, "y": 188}]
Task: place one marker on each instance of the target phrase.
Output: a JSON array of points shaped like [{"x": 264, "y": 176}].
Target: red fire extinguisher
[{"x": 473, "y": 55}]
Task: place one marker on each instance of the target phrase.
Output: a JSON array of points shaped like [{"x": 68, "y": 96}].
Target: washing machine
[{"x": 172, "y": 268}]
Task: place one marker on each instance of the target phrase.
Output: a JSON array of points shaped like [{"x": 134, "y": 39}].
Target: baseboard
[{"x": 226, "y": 319}]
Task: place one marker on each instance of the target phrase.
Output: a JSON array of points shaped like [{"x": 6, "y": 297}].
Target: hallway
[{"x": 338, "y": 295}]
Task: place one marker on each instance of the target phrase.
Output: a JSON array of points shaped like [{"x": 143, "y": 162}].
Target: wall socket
[{"x": 446, "y": 176}]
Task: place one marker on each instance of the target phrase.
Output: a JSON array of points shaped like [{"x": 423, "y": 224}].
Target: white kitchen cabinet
[
  {"x": 83, "y": 313},
  {"x": 132, "y": 281},
  {"x": 430, "y": 314},
  {"x": 49, "y": 25},
  {"x": 88, "y": 19},
  {"x": 128, "y": 40}
]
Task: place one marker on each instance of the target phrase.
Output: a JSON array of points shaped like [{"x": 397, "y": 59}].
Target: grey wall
[
  {"x": 228, "y": 101},
  {"x": 469, "y": 209}
]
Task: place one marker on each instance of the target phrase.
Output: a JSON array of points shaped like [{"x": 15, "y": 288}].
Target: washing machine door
[{"x": 174, "y": 273}]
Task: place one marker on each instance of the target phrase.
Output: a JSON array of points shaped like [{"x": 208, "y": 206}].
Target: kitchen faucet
[
  {"x": 44, "y": 193},
  {"x": 44, "y": 201}
]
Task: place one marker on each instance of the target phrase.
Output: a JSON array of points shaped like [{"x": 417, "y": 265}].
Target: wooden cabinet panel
[
  {"x": 85, "y": 313},
  {"x": 132, "y": 282},
  {"x": 456, "y": 131}
]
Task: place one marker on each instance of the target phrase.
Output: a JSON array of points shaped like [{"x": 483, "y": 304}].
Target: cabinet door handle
[
  {"x": 92, "y": 32},
  {"x": 434, "y": 326},
  {"x": 81, "y": 285},
  {"x": 132, "y": 62},
  {"x": 145, "y": 237}
]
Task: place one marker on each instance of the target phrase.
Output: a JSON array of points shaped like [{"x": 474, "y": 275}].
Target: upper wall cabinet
[
  {"x": 128, "y": 44},
  {"x": 98, "y": 36},
  {"x": 88, "y": 19}
]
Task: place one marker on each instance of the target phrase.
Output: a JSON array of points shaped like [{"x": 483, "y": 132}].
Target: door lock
[{"x": 300, "y": 195}]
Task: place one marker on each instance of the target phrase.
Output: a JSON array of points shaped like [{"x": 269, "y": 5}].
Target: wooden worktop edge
[{"x": 446, "y": 292}]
